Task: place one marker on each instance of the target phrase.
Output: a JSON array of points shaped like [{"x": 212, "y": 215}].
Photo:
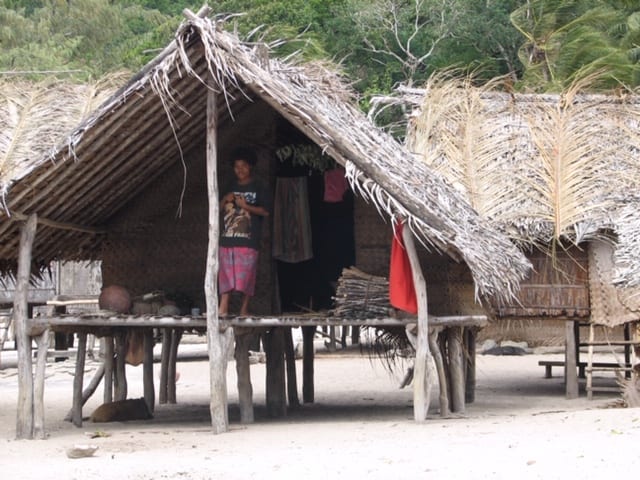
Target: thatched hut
[
  {"x": 135, "y": 186},
  {"x": 558, "y": 175}
]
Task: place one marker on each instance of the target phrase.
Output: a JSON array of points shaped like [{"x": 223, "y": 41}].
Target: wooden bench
[{"x": 582, "y": 366}]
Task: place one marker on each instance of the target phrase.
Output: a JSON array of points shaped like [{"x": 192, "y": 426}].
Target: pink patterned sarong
[{"x": 237, "y": 270}]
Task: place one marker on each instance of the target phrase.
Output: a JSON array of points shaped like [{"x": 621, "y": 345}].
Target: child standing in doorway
[{"x": 244, "y": 206}]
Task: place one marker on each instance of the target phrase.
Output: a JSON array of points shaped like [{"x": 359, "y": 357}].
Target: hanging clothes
[
  {"x": 291, "y": 221},
  {"x": 402, "y": 292},
  {"x": 335, "y": 185}
]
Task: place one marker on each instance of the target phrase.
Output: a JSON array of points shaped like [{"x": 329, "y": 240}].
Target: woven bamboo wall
[
  {"x": 373, "y": 239},
  {"x": 557, "y": 287},
  {"x": 151, "y": 248},
  {"x": 450, "y": 288}
]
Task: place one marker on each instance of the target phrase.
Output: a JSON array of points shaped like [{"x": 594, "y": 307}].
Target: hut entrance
[{"x": 313, "y": 233}]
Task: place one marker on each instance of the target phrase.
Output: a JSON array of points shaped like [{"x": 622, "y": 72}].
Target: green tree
[{"x": 567, "y": 40}]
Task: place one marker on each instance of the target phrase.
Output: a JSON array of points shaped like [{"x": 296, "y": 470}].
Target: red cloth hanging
[{"x": 402, "y": 292}]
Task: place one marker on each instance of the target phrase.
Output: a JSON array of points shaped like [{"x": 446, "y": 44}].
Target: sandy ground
[{"x": 360, "y": 426}]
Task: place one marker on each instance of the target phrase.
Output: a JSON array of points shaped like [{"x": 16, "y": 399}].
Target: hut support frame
[
  {"x": 30, "y": 415},
  {"x": 218, "y": 341},
  {"x": 421, "y": 378}
]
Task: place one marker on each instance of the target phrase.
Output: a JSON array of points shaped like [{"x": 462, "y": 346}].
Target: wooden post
[
  {"x": 456, "y": 366},
  {"x": 120, "y": 390},
  {"x": 88, "y": 391},
  {"x": 245, "y": 389},
  {"x": 421, "y": 380},
  {"x": 147, "y": 372},
  {"x": 78, "y": 379},
  {"x": 275, "y": 388},
  {"x": 470, "y": 371},
  {"x": 108, "y": 369},
  {"x": 164, "y": 365},
  {"x": 308, "y": 334},
  {"x": 570, "y": 363},
  {"x": 172, "y": 372},
  {"x": 24, "y": 417},
  {"x": 292, "y": 381},
  {"x": 442, "y": 373},
  {"x": 218, "y": 341},
  {"x": 355, "y": 335},
  {"x": 38, "y": 392}
]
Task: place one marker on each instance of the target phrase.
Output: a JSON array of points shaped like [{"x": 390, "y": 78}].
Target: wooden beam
[
  {"x": 24, "y": 417},
  {"x": 421, "y": 380},
  {"x": 96, "y": 322},
  {"x": 218, "y": 341},
  {"x": 17, "y": 216}
]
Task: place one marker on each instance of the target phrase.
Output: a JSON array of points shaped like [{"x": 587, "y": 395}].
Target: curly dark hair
[{"x": 244, "y": 153}]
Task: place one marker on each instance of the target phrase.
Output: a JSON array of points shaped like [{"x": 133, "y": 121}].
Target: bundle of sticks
[{"x": 360, "y": 295}]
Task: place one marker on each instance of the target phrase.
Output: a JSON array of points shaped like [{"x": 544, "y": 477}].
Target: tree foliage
[
  {"x": 567, "y": 40},
  {"x": 538, "y": 44}
]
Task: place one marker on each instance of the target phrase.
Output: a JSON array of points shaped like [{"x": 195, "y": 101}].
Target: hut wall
[
  {"x": 450, "y": 288},
  {"x": 372, "y": 238},
  {"x": 153, "y": 247},
  {"x": 557, "y": 287}
]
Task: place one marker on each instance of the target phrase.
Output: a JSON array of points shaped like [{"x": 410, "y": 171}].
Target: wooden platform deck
[{"x": 102, "y": 323}]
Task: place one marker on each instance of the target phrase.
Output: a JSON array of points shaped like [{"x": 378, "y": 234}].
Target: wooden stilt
[
  {"x": 442, "y": 374},
  {"x": 308, "y": 335},
  {"x": 331, "y": 344},
  {"x": 276, "y": 399},
  {"x": 147, "y": 372},
  {"x": 421, "y": 380},
  {"x": 344, "y": 333},
  {"x": 355, "y": 335},
  {"x": 245, "y": 389},
  {"x": 470, "y": 370},
  {"x": 290, "y": 358},
  {"x": 172, "y": 371},
  {"x": 38, "y": 393},
  {"x": 24, "y": 417},
  {"x": 89, "y": 390},
  {"x": 108, "y": 369},
  {"x": 78, "y": 379},
  {"x": 164, "y": 365},
  {"x": 219, "y": 342},
  {"x": 456, "y": 367},
  {"x": 570, "y": 363},
  {"x": 120, "y": 389}
]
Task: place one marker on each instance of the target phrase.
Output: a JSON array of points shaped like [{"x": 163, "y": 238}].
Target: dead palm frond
[{"x": 545, "y": 168}]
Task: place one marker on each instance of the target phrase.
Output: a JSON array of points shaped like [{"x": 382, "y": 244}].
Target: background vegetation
[{"x": 537, "y": 45}]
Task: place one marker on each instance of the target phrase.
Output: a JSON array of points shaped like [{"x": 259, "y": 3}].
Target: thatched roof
[
  {"x": 147, "y": 125},
  {"x": 545, "y": 169}
]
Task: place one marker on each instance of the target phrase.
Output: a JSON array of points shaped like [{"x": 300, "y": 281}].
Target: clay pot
[{"x": 115, "y": 298}]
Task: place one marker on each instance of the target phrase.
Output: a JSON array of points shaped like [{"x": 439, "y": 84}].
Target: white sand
[{"x": 360, "y": 427}]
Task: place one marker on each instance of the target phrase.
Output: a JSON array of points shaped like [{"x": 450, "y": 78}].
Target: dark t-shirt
[{"x": 239, "y": 227}]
